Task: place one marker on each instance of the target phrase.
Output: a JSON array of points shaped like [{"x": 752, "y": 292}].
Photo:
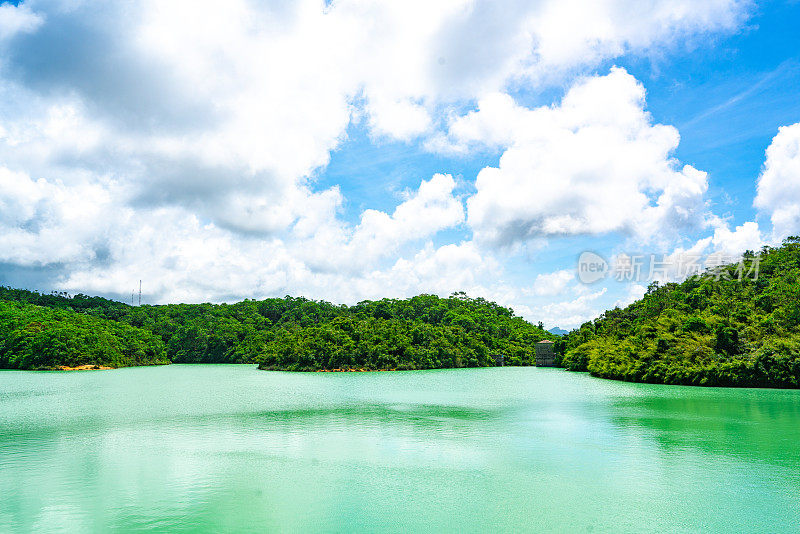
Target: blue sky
[
  {"x": 727, "y": 98},
  {"x": 358, "y": 149}
]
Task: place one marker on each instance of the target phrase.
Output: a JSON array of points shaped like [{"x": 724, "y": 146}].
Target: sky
[{"x": 358, "y": 149}]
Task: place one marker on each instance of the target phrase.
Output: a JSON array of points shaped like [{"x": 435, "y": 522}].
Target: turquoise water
[{"x": 230, "y": 448}]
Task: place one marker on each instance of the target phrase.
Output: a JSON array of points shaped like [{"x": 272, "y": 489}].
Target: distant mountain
[{"x": 558, "y": 331}]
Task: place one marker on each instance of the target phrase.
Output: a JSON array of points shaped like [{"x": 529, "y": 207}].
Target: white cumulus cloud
[
  {"x": 779, "y": 184},
  {"x": 595, "y": 163},
  {"x": 554, "y": 283},
  {"x": 179, "y": 142}
]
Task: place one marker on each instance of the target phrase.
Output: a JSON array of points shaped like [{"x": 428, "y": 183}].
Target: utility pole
[{"x": 140, "y": 292}]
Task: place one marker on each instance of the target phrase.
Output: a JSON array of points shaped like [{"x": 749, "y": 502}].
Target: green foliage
[
  {"x": 423, "y": 332},
  {"x": 714, "y": 329},
  {"x": 36, "y": 337}
]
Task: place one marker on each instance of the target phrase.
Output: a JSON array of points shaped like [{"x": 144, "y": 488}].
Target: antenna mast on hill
[{"x": 140, "y": 292}]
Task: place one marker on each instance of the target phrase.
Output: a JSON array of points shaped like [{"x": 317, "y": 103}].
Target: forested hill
[
  {"x": 41, "y": 331},
  {"x": 712, "y": 329},
  {"x": 39, "y": 337}
]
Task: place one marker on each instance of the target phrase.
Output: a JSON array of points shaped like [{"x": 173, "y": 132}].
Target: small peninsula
[
  {"x": 41, "y": 331},
  {"x": 715, "y": 329}
]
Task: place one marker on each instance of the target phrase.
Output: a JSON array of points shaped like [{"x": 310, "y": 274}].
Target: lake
[{"x": 187, "y": 448}]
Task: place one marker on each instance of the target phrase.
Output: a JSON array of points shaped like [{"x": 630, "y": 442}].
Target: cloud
[
  {"x": 442, "y": 270},
  {"x": 178, "y": 142},
  {"x": 778, "y": 186},
  {"x": 572, "y": 32},
  {"x": 181, "y": 257},
  {"x": 722, "y": 247},
  {"x": 634, "y": 293},
  {"x": 432, "y": 208},
  {"x": 571, "y": 313},
  {"x": 746, "y": 236},
  {"x": 401, "y": 120},
  {"x": 593, "y": 164},
  {"x": 43, "y": 222},
  {"x": 554, "y": 283},
  {"x": 332, "y": 245},
  {"x": 17, "y": 19}
]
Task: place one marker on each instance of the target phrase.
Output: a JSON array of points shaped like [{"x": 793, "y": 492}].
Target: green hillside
[
  {"x": 38, "y": 337},
  {"x": 421, "y": 332},
  {"x": 712, "y": 329}
]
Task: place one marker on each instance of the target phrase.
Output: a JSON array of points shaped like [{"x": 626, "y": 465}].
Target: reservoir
[{"x": 188, "y": 448}]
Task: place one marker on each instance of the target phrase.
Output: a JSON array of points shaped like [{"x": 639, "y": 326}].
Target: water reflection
[
  {"x": 187, "y": 448},
  {"x": 751, "y": 425}
]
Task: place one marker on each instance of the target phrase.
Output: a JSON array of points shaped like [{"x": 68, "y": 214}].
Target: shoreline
[
  {"x": 84, "y": 368},
  {"x": 395, "y": 370},
  {"x": 353, "y": 370}
]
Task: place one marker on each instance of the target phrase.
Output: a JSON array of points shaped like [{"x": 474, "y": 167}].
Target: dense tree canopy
[
  {"x": 724, "y": 327},
  {"x": 37, "y": 337},
  {"x": 727, "y": 327},
  {"x": 421, "y": 332}
]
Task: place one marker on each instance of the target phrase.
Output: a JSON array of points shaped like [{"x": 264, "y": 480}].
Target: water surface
[{"x": 220, "y": 448}]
